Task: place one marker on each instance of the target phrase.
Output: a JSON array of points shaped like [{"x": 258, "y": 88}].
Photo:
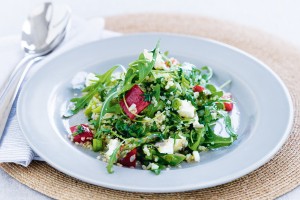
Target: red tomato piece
[
  {"x": 228, "y": 106},
  {"x": 85, "y": 135},
  {"x": 134, "y": 96},
  {"x": 198, "y": 88},
  {"x": 130, "y": 159}
]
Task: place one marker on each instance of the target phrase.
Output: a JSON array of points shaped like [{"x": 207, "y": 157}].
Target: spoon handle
[{"x": 11, "y": 88}]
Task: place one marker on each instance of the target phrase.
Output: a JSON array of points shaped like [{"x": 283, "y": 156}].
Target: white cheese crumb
[
  {"x": 202, "y": 148},
  {"x": 159, "y": 118},
  {"x": 196, "y": 95},
  {"x": 107, "y": 115},
  {"x": 187, "y": 66},
  {"x": 196, "y": 156},
  {"x": 159, "y": 64},
  {"x": 154, "y": 166},
  {"x": 166, "y": 146},
  {"x": 132, "y": 158},
  {"x": 196, "y": 123},
  {"x": 90, "y": 79},
  {"x": 112, "y": 145},
  {"x": 146, "y": 150},
  {"x": 133, "y": 109},
  {"x": 189, "y": 158},
  {"x": 170, "y": 83},
  {"x": 186, "y": 109},
  {"x": 180, "y": 143},
  {"x": 154, "y": 101},
  {"x": 214, "y": 115},
  {"x": 148, "y": 121},
  {"x": 78, "y": 81}
]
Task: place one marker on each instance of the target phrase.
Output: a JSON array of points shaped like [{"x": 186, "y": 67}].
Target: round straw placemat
[{"x": 275, "y": 178}]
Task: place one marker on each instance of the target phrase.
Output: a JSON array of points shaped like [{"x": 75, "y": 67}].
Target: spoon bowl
[{"x": 44, "y": 28}]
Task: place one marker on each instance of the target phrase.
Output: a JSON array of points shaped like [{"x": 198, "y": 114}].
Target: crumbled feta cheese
[
  {"x": 90, "y": 79},
  {"x": 180, "y": 143},
  {"x": 189, "y": 158},
  {"x": 132, "y": 158},
  {"x": 166, "y": 146},
  {"x": 187, "y": 66},
  {"x": 163, "y": 98},
  {"x": 206, "y": 92},
  {"x": 112, "y": 145},
  {"x": 108, "y": 115},
  {"x": 196, "y": 123},
  {"x": 196, "y": 95},
  {"x": 146, "y": 150},
  {"x": 154, "y": 101},
  {"x": 202, "y": 82},
  {"x": 133, "y": 109},
  {"x": 202, "y": 148},
  {"x": 78, "y": 81},
  {"x": 178, "y": 86},
  {"x": 159, "y": 64},
  {"x": 169, "y": 146},
  {"x": 214, "y": 115},
  {"x": 148, "y": 121},
  {"x": 169, "y": 84},
  {"x": 159, "y": 118},
  {"x": 154, "y": 166},
  {"x": 196, "y": 156},
  {"x": 186, "y": 109},
  {"x": 95, "y": 116}
]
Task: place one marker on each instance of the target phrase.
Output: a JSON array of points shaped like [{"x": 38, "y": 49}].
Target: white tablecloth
[{"x": 278, "y": 17}]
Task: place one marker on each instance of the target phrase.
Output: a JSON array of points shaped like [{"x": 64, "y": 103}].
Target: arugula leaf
[
  {"x": 213, "y": 141},
  {"x": 80, "y": 103},
  {"x": 114, "y": 109},
  {"x": 228, "y": 126},
  {"x": 199, "y": 139},
  {"x": 113, "y": 92},
  {"x": 209, "y": 73},
  {"x": 140, "y": 70},
  {"x": 156, "y": 91}
]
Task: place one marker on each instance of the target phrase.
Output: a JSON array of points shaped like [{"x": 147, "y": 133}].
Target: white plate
[{"x": 264, "y": 103}]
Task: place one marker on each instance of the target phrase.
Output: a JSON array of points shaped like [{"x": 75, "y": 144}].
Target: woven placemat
[{"x": 277, "y": 177}]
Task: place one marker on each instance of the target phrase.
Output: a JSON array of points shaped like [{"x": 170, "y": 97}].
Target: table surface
[{"x": 278, "y": 17}]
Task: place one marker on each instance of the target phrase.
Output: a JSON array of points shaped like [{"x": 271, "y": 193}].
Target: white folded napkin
[{"x": 13, "y": 146}]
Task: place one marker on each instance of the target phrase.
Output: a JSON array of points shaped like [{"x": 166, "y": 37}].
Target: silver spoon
[{"x": 44, "y": 29}]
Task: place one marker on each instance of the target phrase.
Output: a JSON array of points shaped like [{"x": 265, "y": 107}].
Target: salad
[{"x": 156, "y": 114}]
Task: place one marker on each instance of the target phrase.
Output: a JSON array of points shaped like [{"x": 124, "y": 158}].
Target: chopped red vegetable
[
  {"x": 134, "y": 96},
  {"x": 228, "y": 106},
  {"x": 82, "y": 133},
  {"x": 198, "y": 88},
  {"x": 130, "y": 159}
]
